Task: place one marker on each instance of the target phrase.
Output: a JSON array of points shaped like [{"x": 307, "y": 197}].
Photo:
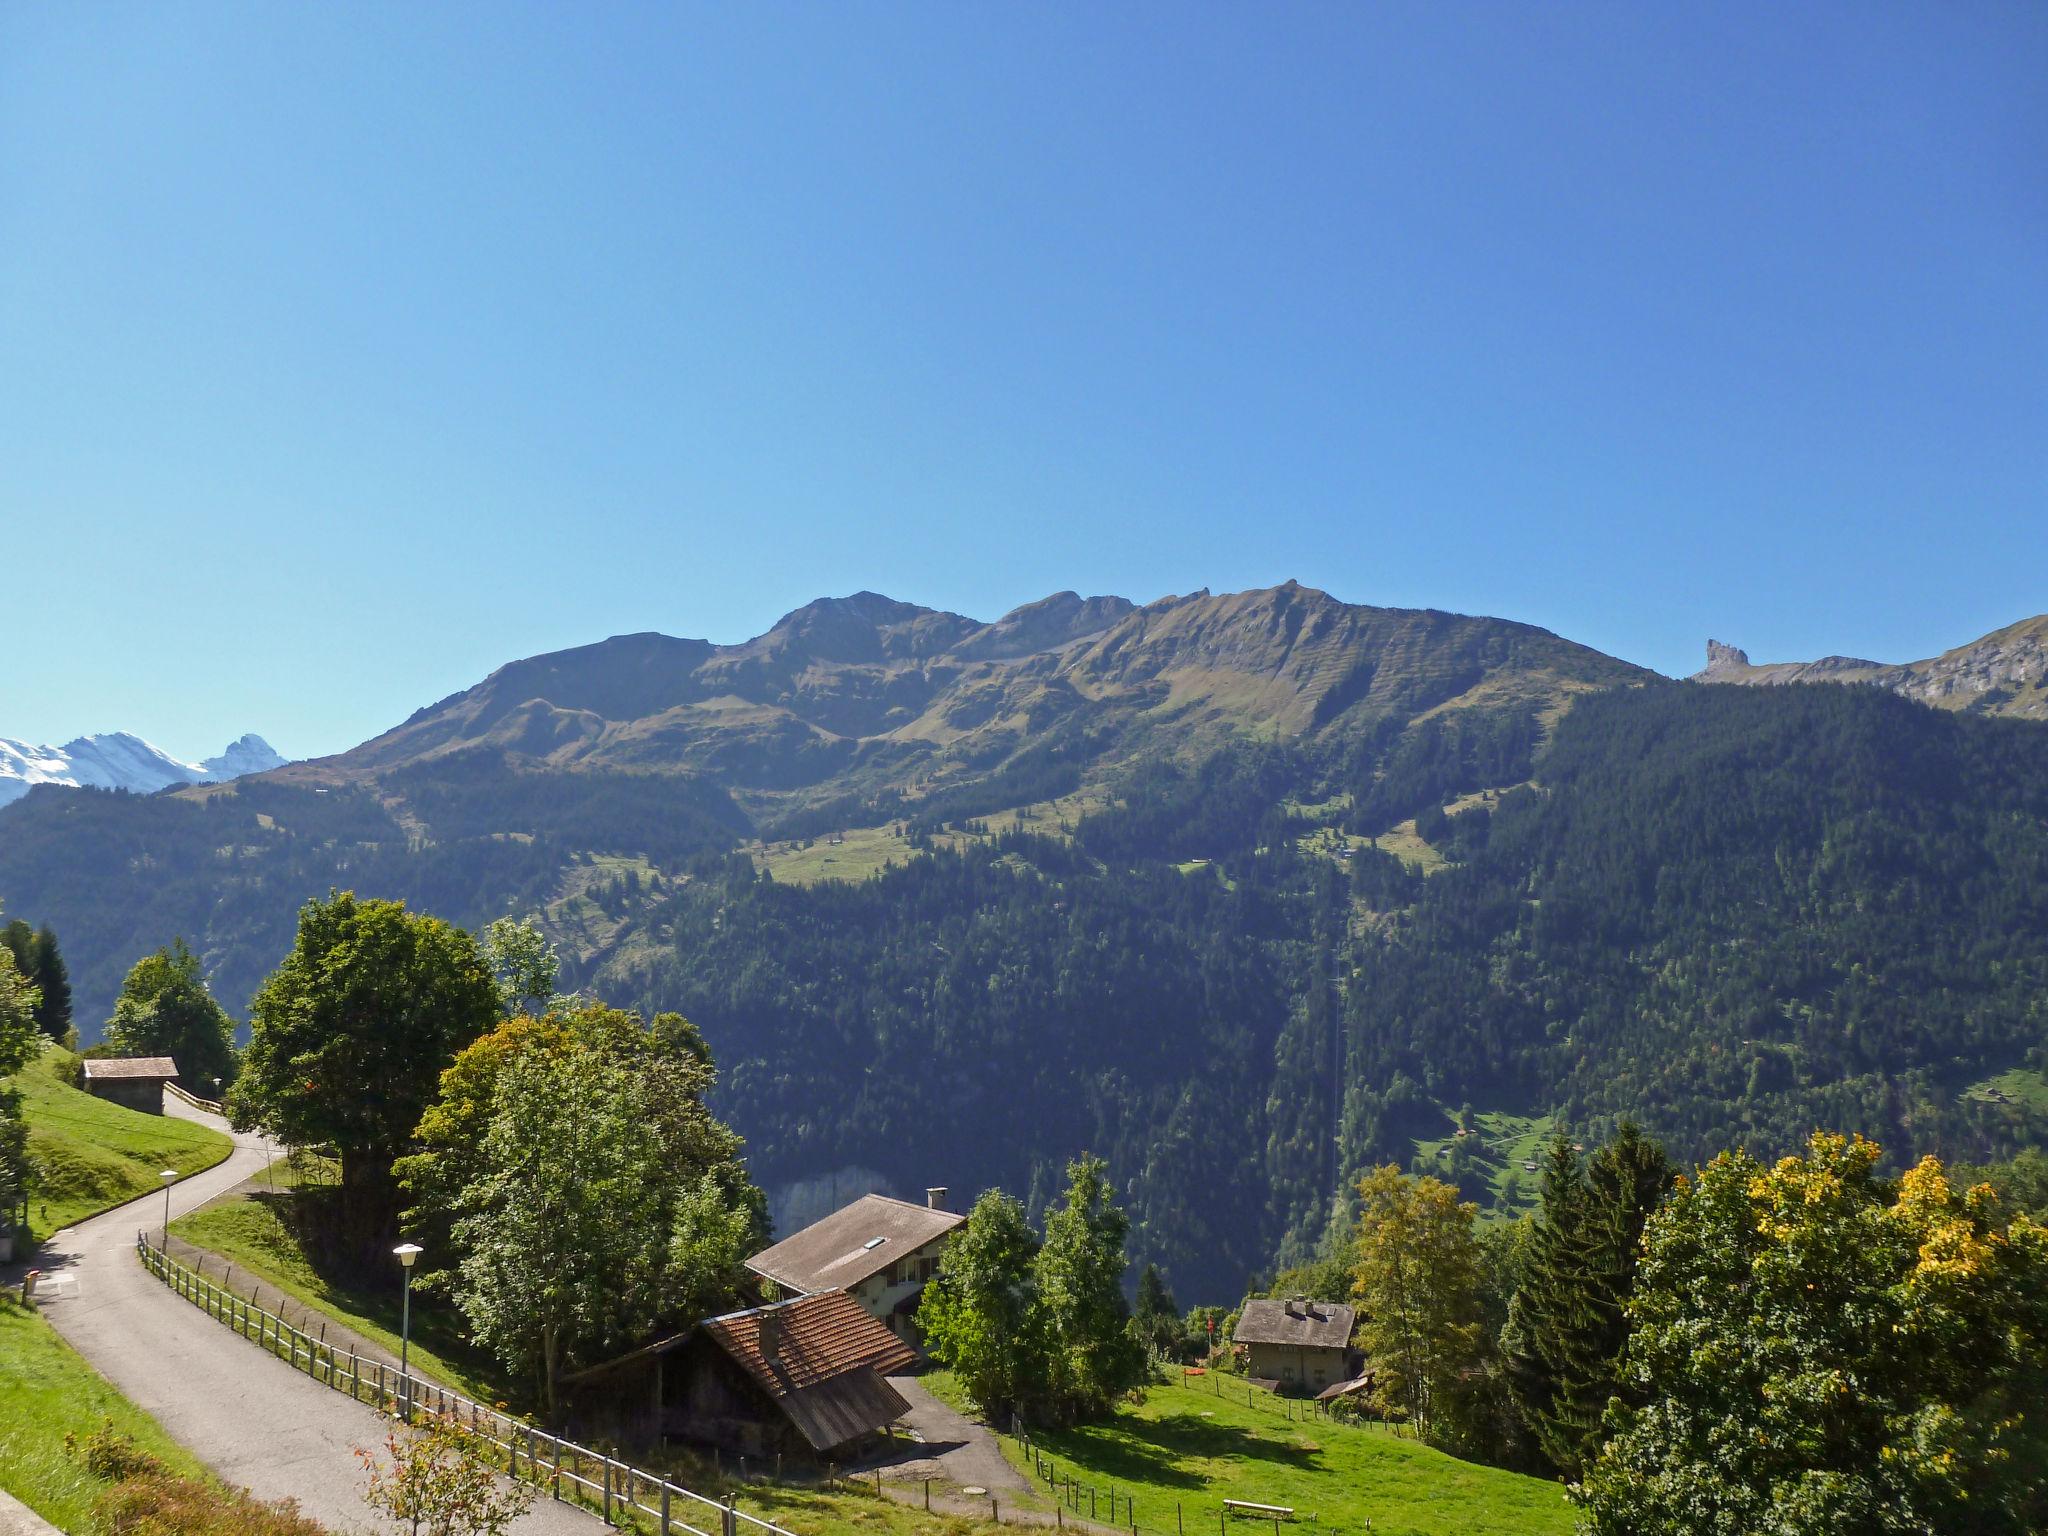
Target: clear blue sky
[{"x": 347, "y": 352}]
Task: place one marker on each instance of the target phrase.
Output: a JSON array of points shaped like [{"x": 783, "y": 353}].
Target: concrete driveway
[{"x": 242, "y": 1411}]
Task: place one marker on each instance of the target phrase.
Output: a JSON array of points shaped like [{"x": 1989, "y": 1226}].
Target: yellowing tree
[
  {"x": 1820, "y": 1349},
  {"x": 1418, "y": 1275}
]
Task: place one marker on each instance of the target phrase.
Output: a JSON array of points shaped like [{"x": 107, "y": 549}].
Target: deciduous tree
[
  {"x": 165, "y": 1009},
  {"x": 350, "y": 1035},
  {"x": 1819, "y": 1350},
  {"x": 1093, "y": 1357},
  {"x": 1418, "y": 1272},
  {"x": 980, "y": 1311}
]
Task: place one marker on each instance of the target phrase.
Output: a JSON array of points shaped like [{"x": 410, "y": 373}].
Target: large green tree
[
  {"x": 19, "y": 1042},
  {"x": 586, "y": 1193},
  {"x": 165, "y": 1010},
  {"x": 1093, "y": 1356},
  {"x": 349, "y": 1037},
  {"x": 1819, "y": 1349},
  {"x": 1568, "y": 1322},
  {"x": 979, "y": 1314}
]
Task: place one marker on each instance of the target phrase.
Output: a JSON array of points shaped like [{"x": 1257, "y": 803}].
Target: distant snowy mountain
[{"x": 120, "y": 761}]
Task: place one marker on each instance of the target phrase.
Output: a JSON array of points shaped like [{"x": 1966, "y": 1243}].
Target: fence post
[
  {"x": 728, "y": 1517},
  {"x": 664, "y": 1509},
  {"x": 607, "y": 1488}
]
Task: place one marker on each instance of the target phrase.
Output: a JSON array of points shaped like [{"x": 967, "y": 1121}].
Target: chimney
[
  {"x": 1297, "y": 1306},
  {"x": 935, "y": 1197},
  {"x": 771, "y": 1336}
]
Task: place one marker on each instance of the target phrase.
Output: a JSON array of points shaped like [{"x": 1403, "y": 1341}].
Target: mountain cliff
[{"x": 2004, "y": 673}]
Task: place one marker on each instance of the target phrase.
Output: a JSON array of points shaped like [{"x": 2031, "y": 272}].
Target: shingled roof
[
  {"x": 1305, "y": 1324},
  {"x": 820, "y": 1359},
  {"x": 852, "y": 1243},
  {"x": 130, "y": 1066}
]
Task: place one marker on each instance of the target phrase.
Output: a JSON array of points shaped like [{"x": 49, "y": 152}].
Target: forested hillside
[{"x": 1241, "y": 952}]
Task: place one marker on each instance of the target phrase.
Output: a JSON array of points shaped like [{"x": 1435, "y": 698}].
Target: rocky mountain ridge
[
  {"x": 865, "y": 695},
  {"x": 2003, "y": 673}
]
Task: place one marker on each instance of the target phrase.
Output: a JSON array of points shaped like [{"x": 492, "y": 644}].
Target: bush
[
  {"x": 148, "y": 1499},
  {"x": 164, "y": 1504}
]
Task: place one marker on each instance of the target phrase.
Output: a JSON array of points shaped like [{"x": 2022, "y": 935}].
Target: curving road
[{"x": 245, "y": 1413}]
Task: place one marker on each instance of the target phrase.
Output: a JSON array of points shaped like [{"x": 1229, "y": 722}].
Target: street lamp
[
  {"x": 170, "y": 1177},
  {"x": 406, "y": 1252}
]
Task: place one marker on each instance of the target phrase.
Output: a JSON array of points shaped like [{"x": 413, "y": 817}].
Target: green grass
[
  {"x": 1186, "y": 1448},
  {"x": 89, "y": 1154},
  {"x": 246, "y": 1228},
  {"x": 1499, "y": 1146},
  {"x": 865, "y": 851},
  {"x": 2019, "y": 1087},
  {"x": 47, "y": 1392}
]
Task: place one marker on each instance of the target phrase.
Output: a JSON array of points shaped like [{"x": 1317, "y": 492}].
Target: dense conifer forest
[{"x": 1732, "y": 915}]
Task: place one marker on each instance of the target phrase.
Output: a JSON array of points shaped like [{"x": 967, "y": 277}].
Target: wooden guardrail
[
  {"x": 567, "y": 1470},
  {"x": 211, "y": 1106}
]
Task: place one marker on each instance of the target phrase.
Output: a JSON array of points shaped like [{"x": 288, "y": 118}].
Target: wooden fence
[
  {"x": 211, "y": 1106},
  {"x": 611, "y": 1488}
]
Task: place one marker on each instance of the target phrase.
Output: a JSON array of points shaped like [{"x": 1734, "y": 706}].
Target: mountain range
[
  {"x": 1244, "y": 891},
  {"x": 118, "y": 760}
]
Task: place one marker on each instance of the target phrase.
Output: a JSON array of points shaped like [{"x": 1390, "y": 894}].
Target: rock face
[
  {"x": 2004, "y": 673},
  {"x": 118, "y": 760}
]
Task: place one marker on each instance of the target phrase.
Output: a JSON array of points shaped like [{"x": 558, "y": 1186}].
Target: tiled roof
[
  {"x": 130, "y": 1066},
  {"x": 1309, "y": 1324},
  {"x": 852, "y": 1243}
]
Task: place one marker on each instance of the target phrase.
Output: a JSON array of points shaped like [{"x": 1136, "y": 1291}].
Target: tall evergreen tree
[
  {"x": 1568, "y": 1323},
  {"x": 53, "y": 1013}
]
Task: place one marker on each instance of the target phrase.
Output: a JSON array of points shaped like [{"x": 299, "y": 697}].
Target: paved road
[{"x": 242, "y": 1411}]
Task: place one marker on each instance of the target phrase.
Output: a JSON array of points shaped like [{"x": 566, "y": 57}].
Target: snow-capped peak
[{"x": 118, "y": 760}]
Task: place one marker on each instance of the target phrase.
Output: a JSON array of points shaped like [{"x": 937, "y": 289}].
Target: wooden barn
[
  {"x": 801, "y": 1377},
  {"x": 135, "y": 1082}
]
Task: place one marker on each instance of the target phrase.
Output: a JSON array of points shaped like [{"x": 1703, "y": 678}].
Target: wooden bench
[{"x": 1251, "y": 1511}]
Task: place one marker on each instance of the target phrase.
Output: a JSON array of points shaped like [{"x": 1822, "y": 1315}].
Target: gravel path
[
  {"x": 242, "y": 1411},
  {"x": 956, "y": 1448}
]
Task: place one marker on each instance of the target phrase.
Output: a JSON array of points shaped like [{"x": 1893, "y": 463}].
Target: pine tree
[
  {"x": 53, "y": 1014},
  {"x": 1568, "y": 1322}
]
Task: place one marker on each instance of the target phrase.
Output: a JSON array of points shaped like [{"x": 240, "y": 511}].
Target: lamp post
[
  {"x": 170, "y": 1177},
  {"x": 406, "y": 1252}
]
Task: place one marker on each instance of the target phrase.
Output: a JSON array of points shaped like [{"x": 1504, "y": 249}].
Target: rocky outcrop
[{"x": 2004, "y": 673}]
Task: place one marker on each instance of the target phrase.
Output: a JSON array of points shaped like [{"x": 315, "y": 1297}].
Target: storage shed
[
  {"x": 135, "y": 1082},
  {"x": 803, "y": 1377}
]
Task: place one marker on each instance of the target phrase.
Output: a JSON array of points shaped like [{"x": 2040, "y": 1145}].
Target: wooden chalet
[{"x": 803, "y": 1377}]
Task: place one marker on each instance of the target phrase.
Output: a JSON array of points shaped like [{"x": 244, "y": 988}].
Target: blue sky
[{"x": 347, "y": 352}]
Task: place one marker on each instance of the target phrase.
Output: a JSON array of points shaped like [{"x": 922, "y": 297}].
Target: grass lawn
[
  {"x": 2021, "y": 1088},
  {"x": 47, "y": 1391},
  {"x": 1186, "y": 1449},
  {"x": 90, "y": 1154},
  {"x": 245, "y": 1228},
  {"x": 1500, "y": 1146}
]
